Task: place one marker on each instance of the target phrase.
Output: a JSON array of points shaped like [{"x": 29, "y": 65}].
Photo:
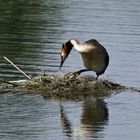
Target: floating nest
[{"x": 69, "y": 88}]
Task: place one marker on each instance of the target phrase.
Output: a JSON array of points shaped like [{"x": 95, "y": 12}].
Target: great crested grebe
[{"x": 95, "y": 56}]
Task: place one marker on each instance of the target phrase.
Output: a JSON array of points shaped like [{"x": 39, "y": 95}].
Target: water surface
[{"x": 31, "y": 35}]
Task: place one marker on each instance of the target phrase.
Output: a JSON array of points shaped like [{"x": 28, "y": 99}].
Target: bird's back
[
  {"x": 96, "y": 57},
  {"x": 93, "y": 43}
]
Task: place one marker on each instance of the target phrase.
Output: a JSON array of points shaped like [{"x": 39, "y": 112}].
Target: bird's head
[{"x": 66, "y": 49}]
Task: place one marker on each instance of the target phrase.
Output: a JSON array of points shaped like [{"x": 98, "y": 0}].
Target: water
[{"x": 31, "y": 35}]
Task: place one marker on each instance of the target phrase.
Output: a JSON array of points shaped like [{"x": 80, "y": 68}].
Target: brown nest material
[{"x": 70, "y": 86}]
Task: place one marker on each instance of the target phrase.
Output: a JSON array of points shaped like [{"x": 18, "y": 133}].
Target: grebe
[{"x": 95, "y": 56}]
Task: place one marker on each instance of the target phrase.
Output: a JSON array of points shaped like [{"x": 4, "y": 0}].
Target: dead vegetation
[{"x": 68, "y": 86}]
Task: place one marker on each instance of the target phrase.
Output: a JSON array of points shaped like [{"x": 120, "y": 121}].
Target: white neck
[{"x": 79, "y": 48}]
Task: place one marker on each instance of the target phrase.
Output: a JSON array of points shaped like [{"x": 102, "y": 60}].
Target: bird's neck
[{"x": 79, "y": 48}]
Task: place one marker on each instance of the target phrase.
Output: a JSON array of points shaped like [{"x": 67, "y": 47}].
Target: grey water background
[{"x": 31, "y": 35}]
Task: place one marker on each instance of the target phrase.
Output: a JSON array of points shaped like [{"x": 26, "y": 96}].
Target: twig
[{"x": 17, "y": 67}]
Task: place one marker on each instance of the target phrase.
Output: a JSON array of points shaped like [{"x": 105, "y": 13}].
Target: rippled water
[{"x": 31, "y": 35}]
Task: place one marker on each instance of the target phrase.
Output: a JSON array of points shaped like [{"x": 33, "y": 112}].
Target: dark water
[{"x": 31, "y": 35}]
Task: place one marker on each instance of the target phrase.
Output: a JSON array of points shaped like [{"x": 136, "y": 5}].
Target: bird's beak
[
  {"x": 66, "y": 49},
  {"x": 62, "y": 61},
  {"x": 63, "y": 55}
]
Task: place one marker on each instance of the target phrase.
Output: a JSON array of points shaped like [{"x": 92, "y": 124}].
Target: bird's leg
[
  {"x": 98, "y": 74},
  {"x": 82, "y": 70},
  {"x": 74, "y": 75}
]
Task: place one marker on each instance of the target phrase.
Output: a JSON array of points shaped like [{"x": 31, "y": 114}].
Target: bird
[{"x": 95, "y": 56}]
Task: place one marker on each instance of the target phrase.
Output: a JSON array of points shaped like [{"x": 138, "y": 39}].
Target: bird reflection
[
  {"x": 66, "y": 124},
  {"x": 93, "y": 119}
]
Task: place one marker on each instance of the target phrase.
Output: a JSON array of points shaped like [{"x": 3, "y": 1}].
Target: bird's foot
[{"x": 71, "y": 75}]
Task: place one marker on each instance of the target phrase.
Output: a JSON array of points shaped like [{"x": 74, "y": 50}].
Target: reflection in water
[
  {"x": 66, "y": 124},
  {"x": 93, "y": 119}
]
